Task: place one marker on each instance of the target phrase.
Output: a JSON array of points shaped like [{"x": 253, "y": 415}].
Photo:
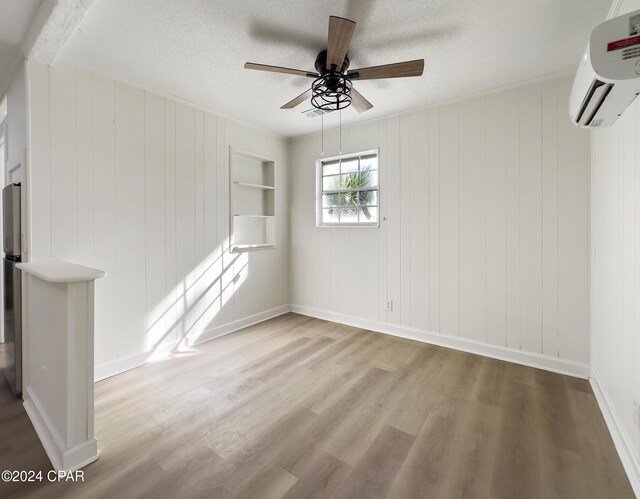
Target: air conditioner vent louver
[{"x": 593, "y": 101}]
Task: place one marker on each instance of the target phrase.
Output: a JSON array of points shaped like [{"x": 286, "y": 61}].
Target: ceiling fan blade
[
  {"x": 340, "y": 33},
  {"x": 279, "y": 69},
  {"x": 397, "y": 70},
  {"x": 298, "y": 100},
  {"x": 359, "y": 102}
]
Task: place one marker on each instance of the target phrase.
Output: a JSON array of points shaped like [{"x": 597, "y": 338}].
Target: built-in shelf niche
[{"x": 252, "y": 201}]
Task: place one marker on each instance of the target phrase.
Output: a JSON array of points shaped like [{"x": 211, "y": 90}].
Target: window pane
[
  {"x": 369, "y": 163},
  {"x": 368, "y": 178},
  {"x": 332, "y": 168},
  {"x": 348, "y": 215},
  {"x": 368, "y": 214},
  {"x": 330, "y": 200},
  {"x": 349, "y": 199},
  {"x": 368, "y": 198},
  {"x": 331, "y": 183},
  {"x": 350, "y": 165},
  {"x": 351, "y": 181},
  {"x": 330, "y": 216}
]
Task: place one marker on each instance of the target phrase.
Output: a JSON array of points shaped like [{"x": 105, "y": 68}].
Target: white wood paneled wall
[
  {"x": 615, "y": 268},
  {"x": 136, "y": 184},
  {"x": 485, "y": 233}
]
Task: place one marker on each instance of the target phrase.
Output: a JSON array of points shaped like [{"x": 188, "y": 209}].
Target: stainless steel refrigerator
[{"x": 12, "y": 289}]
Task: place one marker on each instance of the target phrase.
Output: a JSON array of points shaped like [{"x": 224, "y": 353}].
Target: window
[{"x": 347, "y": 190}]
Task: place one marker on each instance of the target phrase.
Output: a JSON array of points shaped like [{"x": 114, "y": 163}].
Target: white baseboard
[
  {"x": 216, "y": 332},
  {"x": 630, "y": 460},
  {"x": 118, "y": 366},
  {"x": 553, "y": 364},
  {"x": 61, "y": 458},
  {"x": 126, "y": 363}
]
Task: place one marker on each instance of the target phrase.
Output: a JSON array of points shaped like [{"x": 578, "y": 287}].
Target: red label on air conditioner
[{"x": 620, "y": 44}]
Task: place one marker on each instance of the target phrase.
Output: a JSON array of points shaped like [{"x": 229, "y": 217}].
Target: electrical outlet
[
  {"x": 389, "y": 306},
  {"x": 636, "y": 414}
]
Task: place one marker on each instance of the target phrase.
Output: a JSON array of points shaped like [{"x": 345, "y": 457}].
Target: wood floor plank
[
  {"x": 426, "y": 465},
  {"x": 377, "y": 469},
  {"x": 322, "y": 478}
]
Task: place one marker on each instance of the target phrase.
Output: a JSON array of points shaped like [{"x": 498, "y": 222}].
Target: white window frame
[{"x": 319, "y": 191}]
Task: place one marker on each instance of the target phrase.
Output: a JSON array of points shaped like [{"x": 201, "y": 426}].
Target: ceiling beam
[{"x": 53, "y": 25}]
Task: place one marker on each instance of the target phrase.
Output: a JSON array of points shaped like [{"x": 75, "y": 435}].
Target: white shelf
[
  {"x": 254, "y": 186},
  {"x": 255, "y": 216},
  {"x": 236, "y": 248},
  {"x": 252, "y": 202}
]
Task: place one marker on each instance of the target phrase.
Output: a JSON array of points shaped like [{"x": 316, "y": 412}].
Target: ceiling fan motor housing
[{"x": 321, "y": 63}]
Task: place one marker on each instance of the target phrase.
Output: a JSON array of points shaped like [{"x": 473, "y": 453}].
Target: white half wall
[
  {"x": 485, "y": 231},
  {"x": 615, "y": 270},
  {"x": 136, "y": 184}
]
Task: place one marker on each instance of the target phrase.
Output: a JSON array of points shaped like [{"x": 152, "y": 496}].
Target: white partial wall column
[{"x": 58, "y": 369}]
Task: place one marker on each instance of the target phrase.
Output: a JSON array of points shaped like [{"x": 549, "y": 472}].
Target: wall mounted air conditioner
[{"x": 608, "y": 78}]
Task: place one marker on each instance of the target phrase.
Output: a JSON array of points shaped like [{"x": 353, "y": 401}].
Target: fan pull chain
[
  {"x": 340, "y": 130},
  {"x": 322, "y": 133}
]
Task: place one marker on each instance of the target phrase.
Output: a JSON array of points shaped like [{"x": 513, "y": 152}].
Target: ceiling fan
[{"x": 332, "y": 87}]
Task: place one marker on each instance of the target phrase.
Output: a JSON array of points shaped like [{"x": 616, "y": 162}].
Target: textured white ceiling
[
  {"x": 15, "y": 19},
  {"x": 195, "y": 49}
]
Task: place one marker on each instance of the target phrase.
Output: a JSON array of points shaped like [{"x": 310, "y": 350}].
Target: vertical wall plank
[
  {"x": 357, "y": 272},
  {"x": 449, "y": 218},
  {"x": 531, "y": 218},
  {"x": 434, "y": 218},
  {"x": 40, "y": 162},
  {"x": 105, "y": 248},
  {"x": 418, "y": 222},
  {"x": 222, "y": 216},
  {"x": 383, "y": 238},
  {"x": 185, "y": 218},
  {"x": 171, "y": 277},
  {"x": 155, "y": 217},
  {"x": 211, "y": 246},
  {"x": 84, "y": 158},
  {"x": 130, "y": 218},
  {"x": 496, "y": 220},
  {"x": 63, "y": 140},
  {"x": 512, "y": 179},
  {"x": 198, "y": 196},
  {"x": 228, "y": 258},
  {"x": 342, "y": 252},
  {"x": 404, "y": 221},
  {"x": 393, "y": 197},
  {"x": 550, "y": 218},
  {"x": 473, "y": 243}
]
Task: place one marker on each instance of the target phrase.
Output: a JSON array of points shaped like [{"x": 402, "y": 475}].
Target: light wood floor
[{"x": 297, "y": 407}]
